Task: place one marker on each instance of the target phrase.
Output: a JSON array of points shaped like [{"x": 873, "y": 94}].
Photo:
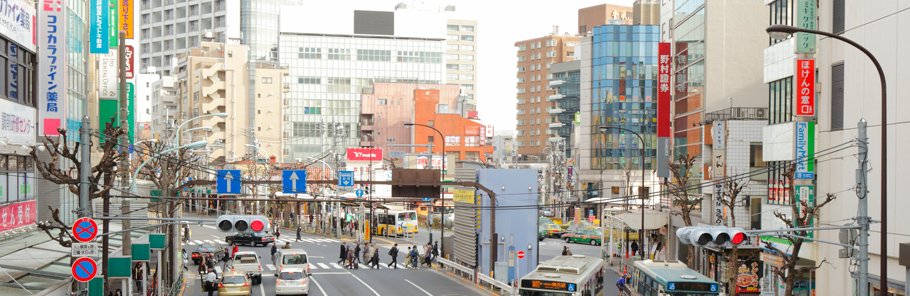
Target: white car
[
  {"x": 292, "y": 281},
  {"x": 247, "y": 263},
  {"x": 292, "y": 258}
]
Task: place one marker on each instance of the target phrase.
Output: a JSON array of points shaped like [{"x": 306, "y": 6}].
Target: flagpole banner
[
  {"x": 51, "y": 67},
  {"x": 99, "y": 26}
]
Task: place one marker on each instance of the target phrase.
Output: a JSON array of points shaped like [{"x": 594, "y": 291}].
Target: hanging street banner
[
  {"x": 99, "y": 26},
  {"x": 805, "y": 150},
  {"x": 805, "y": 87},
  {"x": 126, "y": 23},
  {"x": 664, "y": 149},
  {"x": 51, "y": 68}
]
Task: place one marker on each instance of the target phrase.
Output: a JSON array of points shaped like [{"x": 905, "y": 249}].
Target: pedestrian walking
[
  {"x": 234, "y": 249},
  {"x": 394, "y": 254},
  {"x": 274, "y": 254},
  {"x": 298, "y": 233},
  {"x": 350, "y": 259},
  {"x": 357, "y": 252},
  {"x": 210, "y": 282},
  {"x": 186, "y": 233},
  {"x": 428, "y": 255},
  {"x": 366, "y": 254},
  {"x": 343, "y": 253},
  {"x": 277, "y": 233},
  {"x": 407, "y": 257},
  {"x": 414, "y": 256},
  {"x": 137, "y": 276},
  {"x": 183, "y": 258},
  {"x": 565, "y": 250},
  {"x": 435, "y": 250},
  {"x": 287, "y": 245},
  {"x": 375, "y": 258}
]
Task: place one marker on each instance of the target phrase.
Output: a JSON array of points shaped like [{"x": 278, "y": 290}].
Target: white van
[{"x": 293, "y": 258}]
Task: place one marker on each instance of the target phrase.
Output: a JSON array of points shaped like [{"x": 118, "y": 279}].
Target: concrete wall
[{"x": 513, "y": 188}]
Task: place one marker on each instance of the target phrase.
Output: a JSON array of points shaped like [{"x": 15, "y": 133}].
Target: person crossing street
[
  {"x": 343, "y": 253},
  {"x": 394, "y": 254},
  {"x": 298, "y": 233},
  {"x": 357, "y": 251}
]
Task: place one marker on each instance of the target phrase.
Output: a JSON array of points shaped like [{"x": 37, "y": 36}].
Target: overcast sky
[{"x": 500, "y": 23}]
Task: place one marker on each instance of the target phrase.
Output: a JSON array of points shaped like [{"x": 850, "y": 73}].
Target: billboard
[
  {"x": 17, "y": 22},
  {"x": 51, "y": 67},
  {"x": 17, "y": 123},
  {"x": 99, "y": 26},
  {"x": 806, "y": 18},
  {"x": 664, "y": 150},
  {"x": 17, "y": 215},
  {"x": 777, "y": 142},
  {"x": 805, "y": 87},
  {"x": 112, "y": 32},
  {"x": 364, "y": 154},
  {"x": 130, "y": 57},
  {"x": 805, "y": 150},
  {"x": 126, "y": 23}
]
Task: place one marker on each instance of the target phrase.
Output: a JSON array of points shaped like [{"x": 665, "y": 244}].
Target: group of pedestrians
[{"x": 350, "y": 257}]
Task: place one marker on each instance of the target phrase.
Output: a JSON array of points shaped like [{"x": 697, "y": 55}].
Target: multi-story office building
[
  {"x": 534, "y": 59},
  {"x": 618, "y": 89},
  {"x": 597, "y": 15},
  {"x": 165, "y": 109},
  {"x": 337, "y": 56},
  {"x": 565, "y": 79},
  {"x": 461, "y": 59},
  {"x": 170, "y": 28},
  {"x": 213, "y": 79}
]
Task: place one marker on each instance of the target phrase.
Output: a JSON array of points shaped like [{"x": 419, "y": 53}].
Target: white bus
[
  {"x": 396, "y": 223},
  {"x": 565, "y": 275}
]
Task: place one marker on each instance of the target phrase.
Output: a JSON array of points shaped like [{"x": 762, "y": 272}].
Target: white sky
[{"x": 500, "y": 23}]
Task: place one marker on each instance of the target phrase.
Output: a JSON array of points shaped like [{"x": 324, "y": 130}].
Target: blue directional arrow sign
[
  {"x": 346, "y": 178},
  {"x": 359, "y": 192},
  {"x": 228, "y": 182},
  {"x": 293, "y": 181}
]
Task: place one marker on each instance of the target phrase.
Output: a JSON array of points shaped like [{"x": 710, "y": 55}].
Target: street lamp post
[
  {"x": 641, "y": 234},
  {"x": 442, "y": 201},
  {"x": 222, "y": 115},
  {"x": 782, "y": 32}
]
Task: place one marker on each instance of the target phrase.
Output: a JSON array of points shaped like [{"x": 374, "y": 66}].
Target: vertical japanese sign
[
  {"x": 126, "y": 18},
  {"x": 806, "y": 19},
  {"x": 107, "y": 76},
  {"x": 112, "y": 32},
  {"x": 99, "y": 26},
  {"x": 805, "y": 193},
  {"x": 51, "y": 66},
  {"x": 17, "y": 22},
  {"x": 130, "y": 56},
  {"x": 805, "y": 150},
  {"x": 805, "y": 87},
  {"x": 663, "y": 110},
  {"x": 131, "y": 109}
]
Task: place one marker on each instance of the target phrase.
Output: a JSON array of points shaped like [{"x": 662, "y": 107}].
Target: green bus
[
  {"x": 671, "y": 278},
  {"x": 592, "y": 236}
]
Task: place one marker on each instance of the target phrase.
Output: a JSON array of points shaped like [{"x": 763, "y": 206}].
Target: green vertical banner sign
[
  {"x": 114, "y": 16},
  {"x": 106, "y": 109},
  {"x": 805, "y": 193},
  {"x": 131, "y": 117},
  {"x": 806, "y": 18}
]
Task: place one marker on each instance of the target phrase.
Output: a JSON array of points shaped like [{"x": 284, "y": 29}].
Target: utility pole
[
  {"x": 124, "y": 165},
  {"x": 863, "y": 210}
]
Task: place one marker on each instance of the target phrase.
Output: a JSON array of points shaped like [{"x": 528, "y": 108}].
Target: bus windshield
[{"x": 407, "y": 216}]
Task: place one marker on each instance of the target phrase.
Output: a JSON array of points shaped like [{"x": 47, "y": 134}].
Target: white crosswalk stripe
[
  {"x": 324, "y": 266},
  {"x": 270, "y": 267},
  {"x": 220, "y": 242},
  {"x": 313, "y": 266},
  {"x": 198, "y": 242},
  {"x": 335, "y": 265}
]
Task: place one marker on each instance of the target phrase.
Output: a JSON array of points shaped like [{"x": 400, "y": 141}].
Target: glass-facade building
[
  {"x": 689, "y": 73},
  {"x": 328, "y": 74},
  {"x": 624, "y": 94}
]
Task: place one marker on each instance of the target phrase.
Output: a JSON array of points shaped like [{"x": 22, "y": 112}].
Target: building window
[
  {"x": 521, "y": 79},
  {"x": 471, "y": 141},
  {"x": 453, "y": 57},
  {"x": 521, "y": 58},
  {"x": 467, "y": 37},
  {"x": 467, "y": 57},
  {"x": 339, "y": 54},
  {"x": 467, "y": 77},
  {"x": 837, "y": 19},
  {"x": 755, "y": 159},
  {"x": 551, "y": 42},
  {"x": 781, "y": 100},
  {"x": 522, "y": 47},
  {"x": 452, "y": 46},
  {"x": 452, "y": 66},
  {"x": 267, "y": 80},
  {"x": 452, "y": 27},
  {"x": 468, "y": 86},
  {"x": 467, "y": 67},
  {"x": 781, "y": 14},
  {"x": 382, "y": 102},
  {"x": 310, "y": 53},
  {"x": 309, "y": 80},
  {"x": 467, "y": 48},
  {"x": 451, "y": 76},
  {"x": 837, "y": 97},
  {"x": 453, "y": 141},
  {"x": 452, "y": 37},
  {"x": 467, "y": 28}
]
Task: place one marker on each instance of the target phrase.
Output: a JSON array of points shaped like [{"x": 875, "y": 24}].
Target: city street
[{"x": 329, "y": 278}]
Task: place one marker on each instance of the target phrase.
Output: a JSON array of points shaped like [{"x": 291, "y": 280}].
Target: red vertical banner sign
[
  {"x": 664, "y": 72},
  {"x": 805, "y": 87}
]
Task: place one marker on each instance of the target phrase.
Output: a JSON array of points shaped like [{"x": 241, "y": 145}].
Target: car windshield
[
  {"x": 233, "y": 279},
  {"x": 205, "y": 248},
  {"x": 294, "y": 259},
  {"x": 290, "y": 276}
]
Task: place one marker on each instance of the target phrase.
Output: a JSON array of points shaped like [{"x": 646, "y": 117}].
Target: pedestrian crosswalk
[
  {"x": 334, "y": 265},
  {"x": 304, "y": 240}
]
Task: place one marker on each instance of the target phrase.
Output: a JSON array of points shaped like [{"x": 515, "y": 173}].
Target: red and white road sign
[
  {"x": 84, "y": 269},
  {"x": 85, "y": 230},
  {"x": 521, "y": 254}
]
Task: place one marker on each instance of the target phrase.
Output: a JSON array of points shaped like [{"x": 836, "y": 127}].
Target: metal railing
[
  {"x": 463, "y": 271},
  {"x": 494, "y": 283}
]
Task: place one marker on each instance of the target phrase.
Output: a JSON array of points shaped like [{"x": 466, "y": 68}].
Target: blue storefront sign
[{"x": 100, "y": 27}]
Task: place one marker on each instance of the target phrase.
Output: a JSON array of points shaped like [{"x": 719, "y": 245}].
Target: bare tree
[
  {"x": 59, "y": 155},
  {"x": 681, "y": 169},
  {"x": 801, "y": 217},
  {"x": 730, "y": 199}
]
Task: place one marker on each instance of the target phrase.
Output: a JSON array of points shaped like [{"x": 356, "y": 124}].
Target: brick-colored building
[
  {"x": 464, "y": 139},
  {"x": 534, "y": 59},
  {"x": 598, "y": 15}
]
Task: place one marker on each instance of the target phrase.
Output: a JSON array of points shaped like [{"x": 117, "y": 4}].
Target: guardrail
[
  {"x": 494, "y": 283},
  {"x": 462, "y": 270}
]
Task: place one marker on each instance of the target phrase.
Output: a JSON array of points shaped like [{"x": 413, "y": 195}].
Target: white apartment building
[
  {"x": 169, "y": 28},
  {"x": 165, "y": 109},
  {"x": 333, "y": 62}
]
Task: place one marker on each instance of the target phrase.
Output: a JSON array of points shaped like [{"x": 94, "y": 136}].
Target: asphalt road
[{"x": 329, "y": 278}]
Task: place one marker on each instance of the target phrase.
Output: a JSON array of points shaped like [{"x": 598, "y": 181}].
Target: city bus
[
  {"x": 565, "y": 276},
  {"x": 396, "y": 223},
  {"x": 671, "y": 278}
]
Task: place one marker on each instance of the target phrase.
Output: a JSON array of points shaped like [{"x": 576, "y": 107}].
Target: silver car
[{"x": 292, "y": 281}]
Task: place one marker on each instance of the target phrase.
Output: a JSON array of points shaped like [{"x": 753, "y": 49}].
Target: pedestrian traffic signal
[
  {"x": 242, "y": 223},
  {"x": 711, "y": 236}
]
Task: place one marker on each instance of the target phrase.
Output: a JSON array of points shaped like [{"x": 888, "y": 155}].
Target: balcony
[
  {"x": 557, "y": 125},
  {"x": 556, "y": 82},
  {"x": 555, "y": 97},
  {"x": 366, "y": 126},
  {"x": 556, "y": 110}
]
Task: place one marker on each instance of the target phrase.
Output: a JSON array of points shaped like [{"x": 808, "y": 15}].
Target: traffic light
[
  {"x": 242, "y": 223},
  {"x": 711, "y": 236}
]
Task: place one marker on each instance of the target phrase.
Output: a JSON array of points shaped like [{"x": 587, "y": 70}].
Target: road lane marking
[
  {"x": 337, "y": 266},
  {"x": 319, "y": 286},
  {"x": 198, "y": 242},
  {"x": 261, "y": 289},
  {"x": 365, "y": 284},
  {"x": 331, "y": 272},
  {"x": 270, "y": 267},
  {"x": 207, "y": 226},
  {"x": 323, "y": 265},
  {"x": 220, "y": 242},
  {"x": 418, "y": 287},
  {"x": 313, "y": 266}
]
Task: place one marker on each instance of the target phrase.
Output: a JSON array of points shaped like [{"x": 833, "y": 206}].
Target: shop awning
[{"x": 653, "y": 220}]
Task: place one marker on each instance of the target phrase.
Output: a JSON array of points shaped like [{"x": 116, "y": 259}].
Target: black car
[
  {"x": 206, "y": 252},
  {"x": 251, "y": 239}
]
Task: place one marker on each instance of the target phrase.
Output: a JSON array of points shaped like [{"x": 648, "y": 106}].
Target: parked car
[
  {"x": 251, "y": 239},
  {"x": 292, "y": 281},
  {"x": 203, "y": 252},
  {"x": 541, "y": 233},
  {"x": 248, "y": 264},
  {"x": 584, "y": 236},
  {"x": 234, "y": 284},
  {"x": 553, "y": 230}
]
